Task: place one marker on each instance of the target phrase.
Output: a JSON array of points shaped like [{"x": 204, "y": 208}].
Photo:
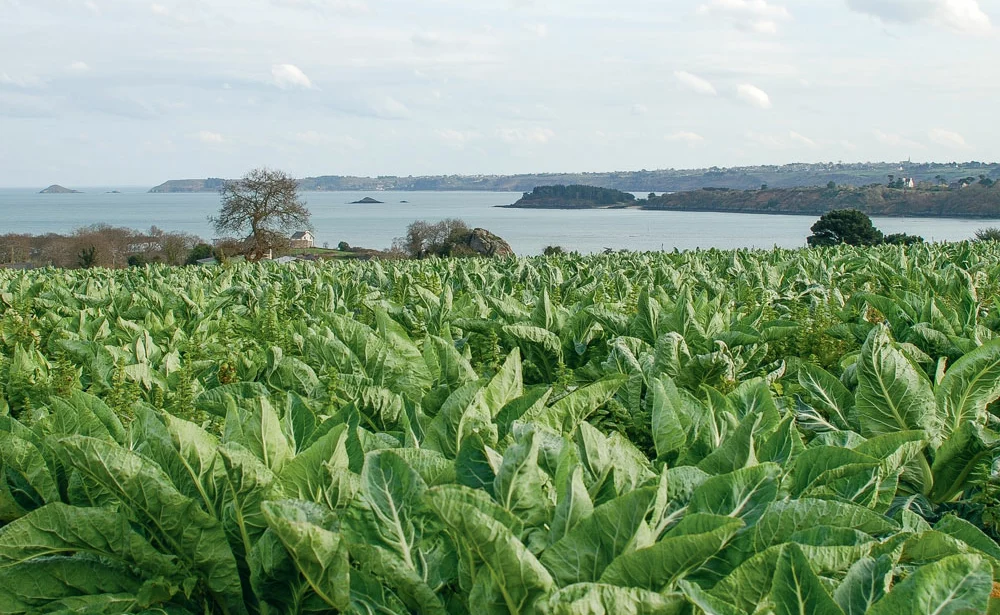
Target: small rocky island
[
  {"x": 366, "y": 201},
  {"x": 573, "y": 197},
  {"x": 57, "y": 189}
]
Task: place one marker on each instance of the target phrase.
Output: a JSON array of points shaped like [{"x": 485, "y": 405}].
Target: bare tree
[{"x": 265, "y": 207}]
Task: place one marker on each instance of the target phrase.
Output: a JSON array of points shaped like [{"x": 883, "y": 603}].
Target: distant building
[{"x": 302, "y": 239}]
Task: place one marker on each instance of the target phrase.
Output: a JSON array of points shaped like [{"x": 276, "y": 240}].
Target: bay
[{"x": 377, "y": 225}]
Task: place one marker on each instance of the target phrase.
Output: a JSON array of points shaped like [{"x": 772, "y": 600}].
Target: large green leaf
[
  {"x": 84, "y": 408},
  {"x": 175, "y": 520},
  {"x": 866, "y": 582},
  {"x": 585, "y": 551},
  {"x": 660, "y": 566},
  {"x": 319, "y": 554},
  {"x": 828, "y": 394},
  {"x": 743, "y": 494},
  {"x": 393, "y": 491},
  {"x": 186, "y": 452},
  {"x": 574, "y": 505},
  {"x": 783, "y": 519},
  {"x": 971, "y": 384},
  {"x": 796, "y": 590},
  {"x": 42, "y": 584},
  {"x": 506, "y": 385},
  {"x": 968, "y": 450},
  {"x": 669, "y": 434},
  {"x": 955, "y": 585},
  {"x": 566, "y": 414},
  {"x": 256, "y": 426},
  {"x": 249, "y": 483},
  {"x": 520, "y": 579},
  {"x": 26, "y": 483},
  {"x": 522, "y": 487},
  {"x": 597, "y": 599},
  {"x": 57, "y": 529},
  {"x": 308, "y": 475},
  {"x": 892, "y": 395},
  {"x": 408, "y": 585}
]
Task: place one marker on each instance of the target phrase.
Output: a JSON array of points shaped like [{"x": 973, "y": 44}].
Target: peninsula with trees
[
  {"x": 968, "y": 197},
  {"x": 573, "y": 197}
]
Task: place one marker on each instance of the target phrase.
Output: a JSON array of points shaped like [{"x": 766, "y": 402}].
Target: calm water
[{"x": 375, "y": 226}]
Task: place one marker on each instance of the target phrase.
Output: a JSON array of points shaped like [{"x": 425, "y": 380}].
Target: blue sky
[{"x": 134, "y": 92}]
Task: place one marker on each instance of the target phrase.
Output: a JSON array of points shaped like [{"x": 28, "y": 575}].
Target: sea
[{"x": 375, "y": 226}]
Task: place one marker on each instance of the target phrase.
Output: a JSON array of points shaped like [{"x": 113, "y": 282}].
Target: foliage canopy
[{"x": 264, "y": 206}]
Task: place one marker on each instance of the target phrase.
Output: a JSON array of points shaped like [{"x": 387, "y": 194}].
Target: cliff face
[
  {"x": 57, "y": 189},
  {"x": 974, "y": 201}
]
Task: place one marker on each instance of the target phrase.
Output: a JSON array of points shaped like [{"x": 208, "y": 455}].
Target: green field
[{"x": 709, "y": 432}]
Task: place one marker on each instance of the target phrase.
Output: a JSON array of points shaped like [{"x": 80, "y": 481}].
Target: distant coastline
[{"x": 639, "y": 182}]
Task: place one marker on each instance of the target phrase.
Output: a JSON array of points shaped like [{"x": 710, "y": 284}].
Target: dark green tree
[
  {"x": 848, "y": 226},
  {"x": 200, "y": 251},
  {"x": 87, "y": 257}
]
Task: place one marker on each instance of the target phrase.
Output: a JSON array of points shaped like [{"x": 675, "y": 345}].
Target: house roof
[{"x": 300, "y": 234}]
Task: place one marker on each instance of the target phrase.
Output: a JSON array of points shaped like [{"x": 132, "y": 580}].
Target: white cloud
[
  {"x": 758, "y": 16},
  {"x": 391, "y": 109},
  {"x": 947, "y": 138},
  {"x": 538, "y": 29},
  {"x": 690, "y": 138},
  {"x": 290, "y": 76},
  {"x": 769, "y": 141},
  {"x": 337, "y": 6},
  {"x": 78, "y": 67},
  {"x": 801, "y": 139},
  {"x": 639, "y": 109},
  {"x": 22, "y": 81},
  {"x": 427, "y": 39},
  {"x": 457, "y": 138},
  {"x": 312, "y": 137},
  {"x": 694, "y": 83},
  {"x": 964, "y": 16},
  {"x": 537, "y": 135},
  {"x": 754, "y": 95},
  {"x": 159, "y": 9},
  {"x": 209, "y": 137},
  {"x": 896, "y": 140}
]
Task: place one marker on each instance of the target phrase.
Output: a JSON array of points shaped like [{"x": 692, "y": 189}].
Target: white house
[{"x": 302, "y": 239}]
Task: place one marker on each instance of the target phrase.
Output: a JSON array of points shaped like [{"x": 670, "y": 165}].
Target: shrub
[
  {"x": 200, "y": 251},
  {"x": 990, "y": 233},
  {"x": 848, "y": 226},
  {"x": 553, "y": 251},
  {"x": 902, "y": 239}
]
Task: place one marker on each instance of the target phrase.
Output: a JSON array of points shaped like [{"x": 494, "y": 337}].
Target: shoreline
[{"x": 757, "y": 212}]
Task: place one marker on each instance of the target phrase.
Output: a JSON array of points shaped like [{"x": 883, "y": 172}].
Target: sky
[{"x": 134, "y": 92}]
